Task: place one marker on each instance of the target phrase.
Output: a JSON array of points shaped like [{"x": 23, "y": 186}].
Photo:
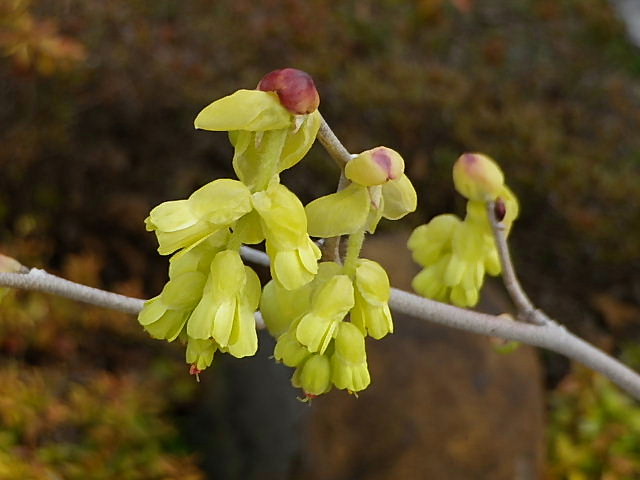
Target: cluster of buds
[{"x": 457, "y": 253}]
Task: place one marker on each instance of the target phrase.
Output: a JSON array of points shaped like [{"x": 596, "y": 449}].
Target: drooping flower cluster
[
  {"x": 321, "y": 327},
  {"x": 211, "y": 297},
  {"x": 319, "y": 313},
  {"x": 457, "y": 253}
]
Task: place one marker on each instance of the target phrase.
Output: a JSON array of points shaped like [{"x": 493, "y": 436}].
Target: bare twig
[
  {"x": 526, "y": 311},
  {"x": 337, "y": 151},
  {"x": 550, "y": 335},
  {"x": 332, "y": 145},
  {"x": 41, "y": 281}
]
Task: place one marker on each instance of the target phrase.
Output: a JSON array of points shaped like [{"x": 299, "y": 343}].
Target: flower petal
[
  {"x": 298, "y": 143},
  {"x": 183, "y": 291},
  {"x": 399, "y": 198},
  {"x": 168, "y": 326},
  {"x": 221, "y": 202},
  {"x": 251, "y": 110},
  {"x": 171, "y": 216},
  {"x": 200, "y": 352},
  {"x": 340, "y": 213}
]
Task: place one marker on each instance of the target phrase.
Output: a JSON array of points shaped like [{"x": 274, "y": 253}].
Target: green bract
[{"x": 340, "y": 213}]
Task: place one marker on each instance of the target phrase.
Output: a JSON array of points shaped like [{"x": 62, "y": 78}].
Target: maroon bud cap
[
  {"x": 499, "y": 209},
  {"x": 295, "y": 89}
]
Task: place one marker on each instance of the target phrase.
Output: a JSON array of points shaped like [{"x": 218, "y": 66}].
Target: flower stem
[{"x": 354, "y": 245}]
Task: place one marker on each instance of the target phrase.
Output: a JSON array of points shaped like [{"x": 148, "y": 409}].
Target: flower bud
[
  {"x": 499, "y": 209},
  {"x": 289, "y": 351},
  {"x": 315, "y": 375},
  {"x": 295, "y": 89},
  {"x": 477, "y": 177},
  {"x": 200, "y": 354},
  {"x": 375, "y": 167}
]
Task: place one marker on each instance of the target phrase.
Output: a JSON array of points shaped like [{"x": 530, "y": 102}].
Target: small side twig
[
  {"x": 332, "y": 145},
  {"x": 526, "y": 311},
  {"x": 338, "y": 152}
]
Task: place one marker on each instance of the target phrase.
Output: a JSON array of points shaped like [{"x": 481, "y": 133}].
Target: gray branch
[{"x": 550, "y": 336}]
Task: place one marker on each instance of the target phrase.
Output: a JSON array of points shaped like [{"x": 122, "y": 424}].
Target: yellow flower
[
  {"x": 294, "y": 257},
  {"x": 349, "y": 361},
  {"x": 372, "y": 292},
  {"x": 329, "y": 305},
  {"x": 314, "y": 375},
  {"x": 226, "y": 310},
  {"x": 200, "y": 353},
  {"x": 184, "y": 223},
  {"x": 165, "y": 315},
  {"x": 267, "y": 137}
]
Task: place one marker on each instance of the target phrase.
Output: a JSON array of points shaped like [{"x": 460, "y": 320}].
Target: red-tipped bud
[
  {"x": 375, "y": 167},
  {"x": 499, "y": 209},
  {"x": 477, "y": 177},
  {"x": 295, "y": 89}
]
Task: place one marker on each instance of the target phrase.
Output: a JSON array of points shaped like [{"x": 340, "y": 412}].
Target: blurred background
[{"x": 97, "y": 101}]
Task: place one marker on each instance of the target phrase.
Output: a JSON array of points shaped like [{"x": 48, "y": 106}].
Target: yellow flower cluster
[
  {"x": 312, "y": 329},
  {"x": 457, "y": 253},
  {"x": 211, "y": 297},
  {"x": 319, "y": 313}
]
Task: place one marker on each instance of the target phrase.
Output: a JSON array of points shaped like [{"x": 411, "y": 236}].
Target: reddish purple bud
[
  {"x": 499, "y": 209},
  {"x": 295, "y": 89}
]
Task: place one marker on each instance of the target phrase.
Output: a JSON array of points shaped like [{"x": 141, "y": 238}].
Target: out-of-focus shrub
[
  {"x": 594, "y": 429},
  {"x": 81, "y": 397},
  {"x": 35, "y": 44}
]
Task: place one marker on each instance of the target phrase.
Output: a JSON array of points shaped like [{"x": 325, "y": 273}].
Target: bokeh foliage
[
  {"x": 594, "y": 428},
  {"x": 83, "y": 394},
  {"x": 97, "y": 101}
]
